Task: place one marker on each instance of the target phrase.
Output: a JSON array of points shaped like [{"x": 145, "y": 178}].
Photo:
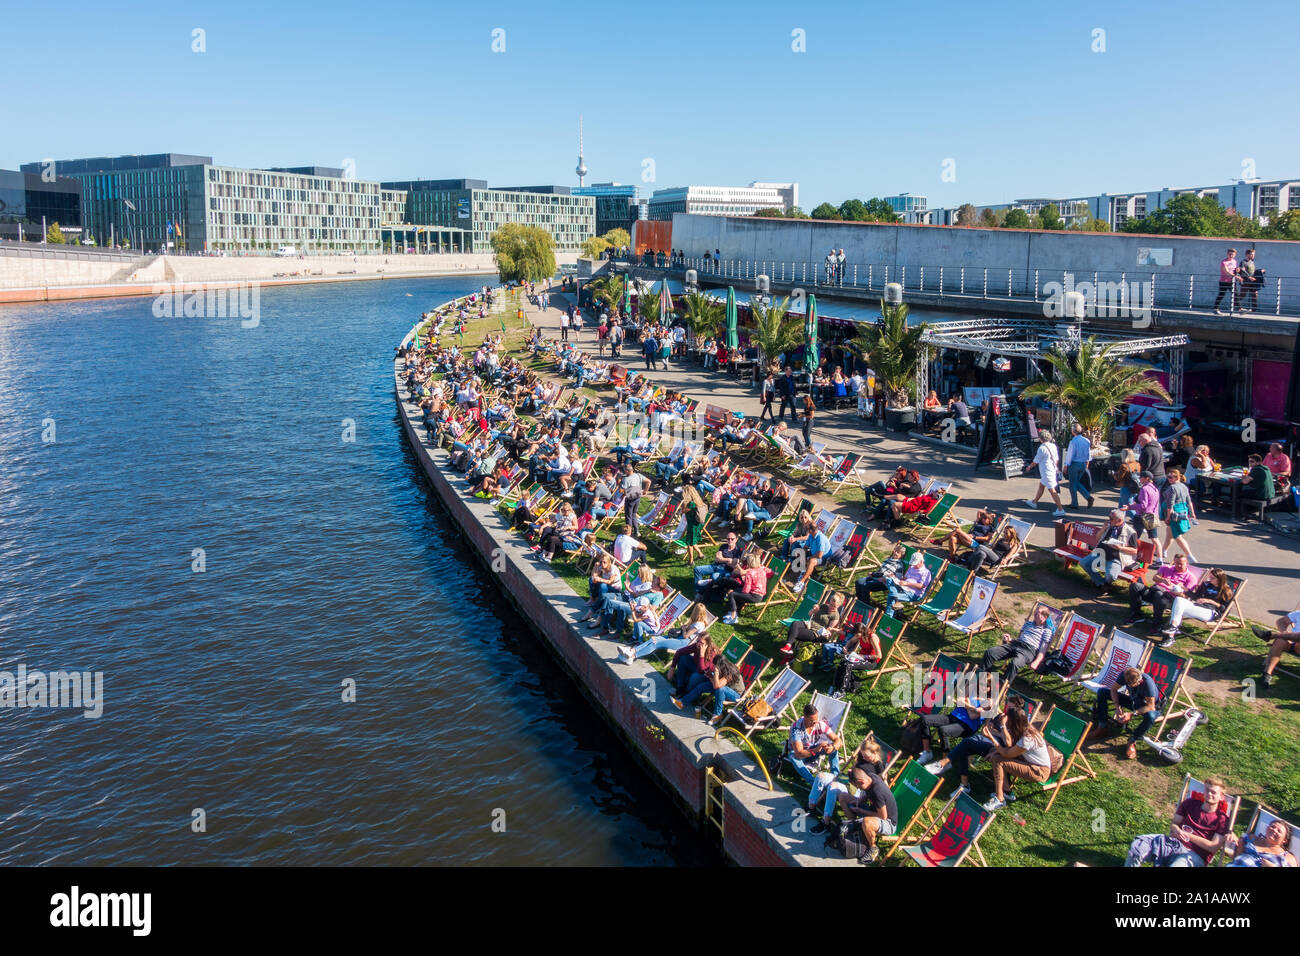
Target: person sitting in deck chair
[
  {"x": 726, "y": 561},
  {"x": 1140, "y": 696},
  {"x": 1028, "y": 647},
  {"x": 1028, "y": 758},
  {"x": 875, "y": 811},
  {"x": 1285, "y": 638},
  {"x": 918, "y": 505},
  {"x": 1199, "y": 830},
  {"x": 878, "y": 580},
  {"x": 911, "y": 587},
  {"x": 859, "y": 653},
  {"x": 1272, "y": 848},
  {"x": 875, "y": 493},
  {"x": 993, "y": 553},
  {"x": 811, "y": 738},
  {"x": 868, "y": 758},
  {"x": 981, "y": 532},
  {"x": 930, "y": 737}
]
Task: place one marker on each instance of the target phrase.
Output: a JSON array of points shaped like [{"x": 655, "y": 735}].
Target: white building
[{"x": 723, "y": 200}]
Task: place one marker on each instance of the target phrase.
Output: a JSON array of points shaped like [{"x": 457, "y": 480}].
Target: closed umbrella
[
  {"x": 810, "y": 356},
  {"x": 665, "y": 305},
  {"x": 733, "y": 339}
]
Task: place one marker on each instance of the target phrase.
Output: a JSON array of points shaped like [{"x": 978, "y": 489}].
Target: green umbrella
[
  {"x": 810, "y": 356},
  {"x": 627, "y": 296},
  {"x": 733, "y": 341}
]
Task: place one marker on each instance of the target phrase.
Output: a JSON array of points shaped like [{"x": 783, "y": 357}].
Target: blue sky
[{"x": 713, "y": 93}]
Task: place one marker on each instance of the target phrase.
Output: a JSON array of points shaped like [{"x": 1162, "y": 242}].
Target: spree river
[{"x": 227, "y": 524}]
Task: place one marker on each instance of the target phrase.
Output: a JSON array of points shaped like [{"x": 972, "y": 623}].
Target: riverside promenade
[{"x": 1269, "y": 561}]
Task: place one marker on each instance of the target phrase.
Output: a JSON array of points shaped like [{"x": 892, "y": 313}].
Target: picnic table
[{"x": 1230, "y": 480}]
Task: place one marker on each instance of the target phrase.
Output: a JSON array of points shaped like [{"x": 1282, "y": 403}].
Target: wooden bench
[{"x": 1080, "y": 540}]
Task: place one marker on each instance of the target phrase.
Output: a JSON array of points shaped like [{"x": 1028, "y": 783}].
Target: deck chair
[
  {"x": 858, "y": 548},
  {"x": 938, "y": 518},
  {"x": 1193, "y": 788},
  {"x": 1079, "y": 542},
  {"x": 942, "y": 673},
  {"x": 779, "y": 697},
  {"x": 1016, "y": 557},
  {"x": 1123, "y": 651},
  {"x": 846, "y": 470},
  {"x": 832, "y": 710},
  {"x": 950, "y": 842},
  {"x": 808, "y": 600},
  {"x": 979, "y": 615},
  {"x": 656, "y": 508},
  {"x": 943, "y": 600},
  {"x": 913, "y": 788},
  {"x": 777, "y": 592},
  {"x": 671, "y": 612},
  {"x": 1233, "y": 610},
  {"x": 1260, "y": 821},
  {"x": 1168, "y": 671},
  {"x": 1066, "y": 733},
  {"x": 1146, "y": 559},
  {"x": 889, "y": 632},
  {"x": 1078, "y": 645},
  {"x": 805, "y": 504}
]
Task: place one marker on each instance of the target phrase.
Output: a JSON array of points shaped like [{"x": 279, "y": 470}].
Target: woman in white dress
[{"x": 1048, "y": 461}]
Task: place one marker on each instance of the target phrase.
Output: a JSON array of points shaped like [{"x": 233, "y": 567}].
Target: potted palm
[
  {"x": 703, "y": 315},
  {"x": 892, "y": 348},
  {"x": 775, "y": 331},
  {"x": 1090, "y": 383},
  {"x": 608, "y": 291}
]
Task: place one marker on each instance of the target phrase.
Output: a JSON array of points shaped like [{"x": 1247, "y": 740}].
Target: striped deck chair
[
  {"x": 950, "y": 842},
  {"x": 1168, "y": 671},
  {"x": 1066, "y": 733},
  {"x": 913, "y": 789},
  {"x": 1122, "y": 652},
  {"x": 656, "y": 509},
  {"x": 776, "y": 699},
  {"x": 943, "y": 600},
  {"x": 979, "y": 615},
  {"x": 1260, "y": 821},
  {"x": 1016, "y": 557}
]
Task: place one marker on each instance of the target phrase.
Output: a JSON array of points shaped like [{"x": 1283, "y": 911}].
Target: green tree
[
  {"x": 647, "y": 303},
  {"x": 877, "y": 210},
  {"x": 826, "y": 211},
  {"x": 618, "y": 238},
  {"x": 1089, "y": 223},
  {"x": 1285, "y": 225},
  {"x": 992, "y": 218},
  {"x": 54, "y": 235},
  {"x": 523, "y": 253},
  {"x": 892, "y": 348},
  {"x": 1049, "y": 217},
  {"x": 703, "y": 314},
  {"x": 1185, "y": 215},
  {"x": 796, "y": 213},
  {"x": 1016, "y": 219},
  {"x": 594, "y": 247},
  {"x": 769, "y": 212},
  {"x": 966, "y": 215},
  {"x": 853, "y": 210},
  {"x": 608, "y": 290},
  {"x": 775, "y": 331},
  {"x": 1090, "y": 384}
]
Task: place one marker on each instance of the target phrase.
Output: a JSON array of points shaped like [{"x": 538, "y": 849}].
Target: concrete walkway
[{"x": 1270, "y": 562}]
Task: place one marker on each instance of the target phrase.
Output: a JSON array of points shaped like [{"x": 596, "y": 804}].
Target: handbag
[
  {"x": 1148, "y": 521},
  {"x": 757, "y": 709}
]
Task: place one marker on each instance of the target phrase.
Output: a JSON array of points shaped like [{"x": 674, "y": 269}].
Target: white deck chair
[
  {"x": 980, "y": 607},
  {"x": 1079, "y": 644},
  {"x": 779, "y": 695},
  {"x": 1017, "y": 557},
  {"x": 1260, "y": 821}
]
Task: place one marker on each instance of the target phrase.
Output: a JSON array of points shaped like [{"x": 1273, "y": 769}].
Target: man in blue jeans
[
  {"x": 1118, "y": 544},
  {"x": 1138, "y": 693},
  {"x": 1198, "y": 831},
  {"x": 811, "y": 738}
]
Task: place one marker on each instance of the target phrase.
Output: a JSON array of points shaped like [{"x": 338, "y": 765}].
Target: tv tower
[{"x": 581, "y": 169}]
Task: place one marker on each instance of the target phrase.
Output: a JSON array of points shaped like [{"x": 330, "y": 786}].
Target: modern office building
[
  {"x": 723, "y": 200},
  {"x": 470, "y": 205},
  {"x": 1254, "y": 198},
  {"x": 911, "y": 208},
  {"x": 31, "y": 201},
  {"x": 617, "y": 206},
  {"x": 182, "y": 202}
]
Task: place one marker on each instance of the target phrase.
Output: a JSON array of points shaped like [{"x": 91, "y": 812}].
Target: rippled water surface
[{"x": 324, "y": 561}]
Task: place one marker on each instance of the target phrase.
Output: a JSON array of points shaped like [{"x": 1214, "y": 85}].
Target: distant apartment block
[{"x": 722, "y": 200}]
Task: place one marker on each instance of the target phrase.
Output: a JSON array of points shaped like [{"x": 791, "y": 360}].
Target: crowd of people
[{"x": 571, "y": 480}]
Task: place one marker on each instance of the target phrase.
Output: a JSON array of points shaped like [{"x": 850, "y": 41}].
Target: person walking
[
  {"x": 564, "y": 326},
  {"x": 1228, "y": 279},
  {"x": 786, "y": 389},
  {"x": 650, "y": 349},
  {"x": 809, "y": 410},
  {"x": 769, "y": 396},
  {"x": 1178, "y": 512},
  {"x": 1048, "y": 461},
  {"x": 1252, "y": 280},
  {"x": 1077, "y": 455}
]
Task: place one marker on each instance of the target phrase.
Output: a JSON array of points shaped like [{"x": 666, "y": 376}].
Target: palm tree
[
  {"x": 892, "y": 348},
  {"x": 609, "y": 290},
  {"x": 647, "y": 303},
  {"x": 775, "y": 331},
  {"x": 703, "y": 315},
  {"x": 1090, "y": 384}
]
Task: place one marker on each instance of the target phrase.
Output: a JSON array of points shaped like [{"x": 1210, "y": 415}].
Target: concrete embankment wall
[
  {"x": 806, "y": 240},
  {"x": 54, "y": 277},
  {"x": 758, "y": 824}
]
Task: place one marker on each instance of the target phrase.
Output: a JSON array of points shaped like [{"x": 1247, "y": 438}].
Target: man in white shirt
[
  {"x": 564, "y": 326},
  {"x": 1077, "y": 455},
  {"x": 625, "y": 546}
]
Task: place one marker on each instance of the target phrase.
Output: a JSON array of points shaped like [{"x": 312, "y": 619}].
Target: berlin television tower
[{"x": 581, "y": 170}]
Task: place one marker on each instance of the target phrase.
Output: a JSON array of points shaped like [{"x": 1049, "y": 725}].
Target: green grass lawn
[{"x": 1253, "y": 742}]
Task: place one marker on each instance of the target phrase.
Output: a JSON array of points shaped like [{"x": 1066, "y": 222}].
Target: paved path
[{"x": 1269, "y": 561}]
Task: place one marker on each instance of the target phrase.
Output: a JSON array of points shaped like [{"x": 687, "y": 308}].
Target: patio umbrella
[
  {"x": 733, "y": 340},
  {"x": 810, "y": 356},
  {"x": 665, "y": 305}
]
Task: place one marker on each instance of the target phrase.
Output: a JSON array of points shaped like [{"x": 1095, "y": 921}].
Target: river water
[{"x": 227, "y": 523}]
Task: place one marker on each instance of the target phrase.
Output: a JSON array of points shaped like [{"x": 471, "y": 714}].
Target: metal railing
[{"x": 1105, "y": 294}]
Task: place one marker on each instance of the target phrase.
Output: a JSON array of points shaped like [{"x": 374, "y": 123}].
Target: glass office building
[
  {"x": 28, "y": 200},
  {"x": 617, "y": 206}
]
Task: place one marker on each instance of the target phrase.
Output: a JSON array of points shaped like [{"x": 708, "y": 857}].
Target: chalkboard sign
[{"x": 1010, "y": 431}]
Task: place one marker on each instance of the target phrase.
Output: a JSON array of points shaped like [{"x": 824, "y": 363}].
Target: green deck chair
[
  {"x": 811, "y": 597},
  {"x": 944, "y": 600},
  {"x": 913, "y": 789},
  {"x": 1066, "y": 733}
]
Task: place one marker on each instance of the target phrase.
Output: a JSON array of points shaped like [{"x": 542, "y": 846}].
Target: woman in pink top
[
  {"x": 1227, "y": 281},
  {"x": 753, "y": 587}
]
